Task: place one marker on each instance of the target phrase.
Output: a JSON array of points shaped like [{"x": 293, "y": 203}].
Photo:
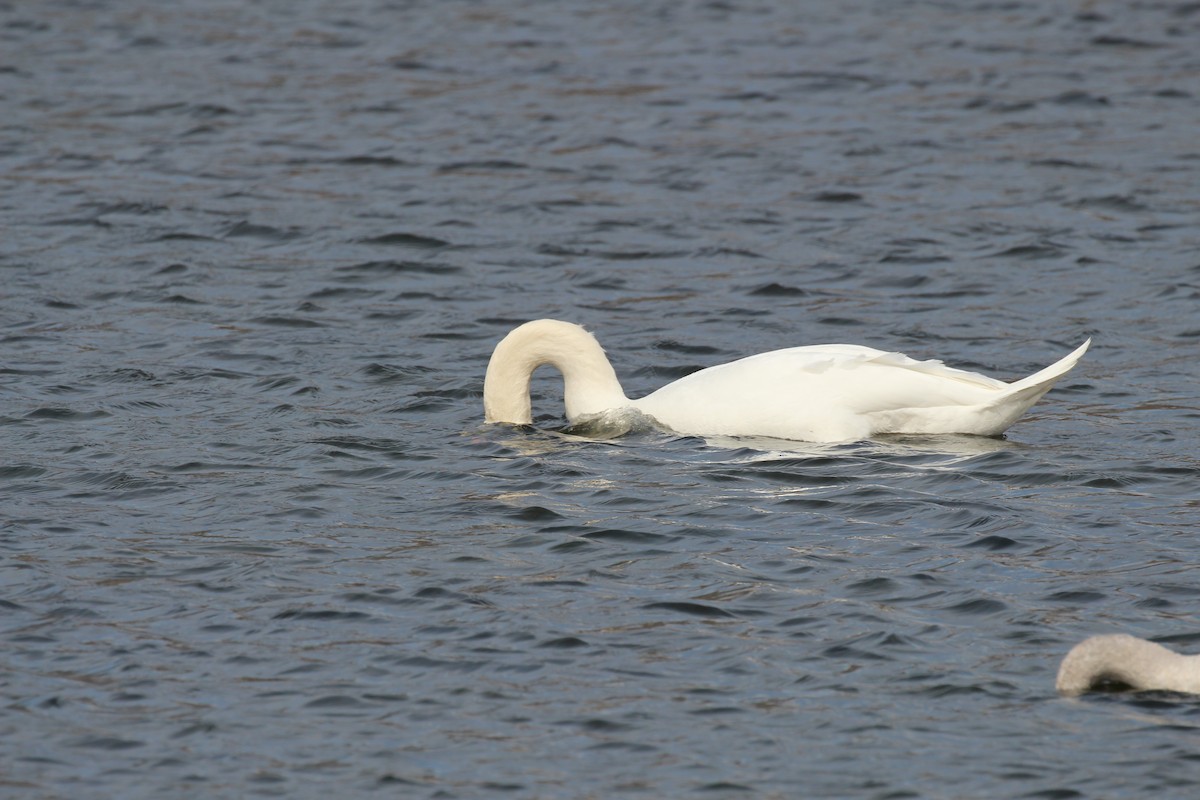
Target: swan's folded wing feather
[
  {"x": 938, "y": 369},
  {"x": 821, "y": 358},
  {"x": 816, "y": 359}
]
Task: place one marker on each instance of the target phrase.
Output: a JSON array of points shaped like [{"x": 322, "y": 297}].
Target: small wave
[
  {"x": 249, "y": 230},
  {"x": 612, "y": 424},
  {"x": 60, "y": 414},
  {"x": 406, "y": 239}
]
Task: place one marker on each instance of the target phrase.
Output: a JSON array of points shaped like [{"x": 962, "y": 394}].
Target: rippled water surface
[{"x": 255, "y": 541}]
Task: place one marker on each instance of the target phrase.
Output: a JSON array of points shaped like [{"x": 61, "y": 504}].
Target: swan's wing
[
  {"x": 840, "y": 392},
  {"x": 823, "y": 358},
  {"x": 822, "y": 380}
]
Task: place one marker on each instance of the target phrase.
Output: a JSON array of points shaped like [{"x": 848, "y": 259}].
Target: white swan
[
  {"x": 821, "y": 393},
  {"x": 1128, "y": 660}
]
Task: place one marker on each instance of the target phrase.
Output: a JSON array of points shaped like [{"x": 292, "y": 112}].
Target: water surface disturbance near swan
[{"x": 255, "y": 541}]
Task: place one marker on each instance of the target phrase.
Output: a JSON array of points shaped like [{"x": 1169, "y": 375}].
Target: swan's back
[{"x": 839, "y": 392}]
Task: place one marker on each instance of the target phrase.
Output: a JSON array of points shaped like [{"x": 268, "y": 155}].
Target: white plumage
[
  {"x": 1128, "y": 661},
  {"x": 820, "y": 393}
]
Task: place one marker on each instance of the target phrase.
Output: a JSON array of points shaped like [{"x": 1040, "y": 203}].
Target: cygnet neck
[
  {"x": 590, "y": 383},
  {"x": 1127, "y": 660}
]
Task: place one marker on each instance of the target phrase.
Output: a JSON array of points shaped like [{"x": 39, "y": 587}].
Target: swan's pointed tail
[
  {"x": 1040, "y": 382},
  {"x": 1022, "y": 394}
]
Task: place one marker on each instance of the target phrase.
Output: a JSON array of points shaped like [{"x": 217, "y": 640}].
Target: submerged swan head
[{"x": 1126, "y": 660}]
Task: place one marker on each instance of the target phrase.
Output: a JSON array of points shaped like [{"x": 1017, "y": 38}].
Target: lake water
[{"x": 256, "y": 541}]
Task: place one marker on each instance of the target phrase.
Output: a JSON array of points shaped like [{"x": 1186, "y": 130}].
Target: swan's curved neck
[
  {"x": 590, "y": 384},
  {"x": 1127, "y": 660}
]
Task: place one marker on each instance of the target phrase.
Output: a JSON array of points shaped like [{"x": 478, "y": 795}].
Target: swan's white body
[
  {"x": 822, "y": 393},
  {"x": 1128, "y": 660}
]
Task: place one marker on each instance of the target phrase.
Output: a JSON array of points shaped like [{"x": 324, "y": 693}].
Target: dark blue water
[{"x": 255, "y": 541}]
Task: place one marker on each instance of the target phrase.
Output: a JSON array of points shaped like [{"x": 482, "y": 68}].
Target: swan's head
[{"x": 590, "y": 384}]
